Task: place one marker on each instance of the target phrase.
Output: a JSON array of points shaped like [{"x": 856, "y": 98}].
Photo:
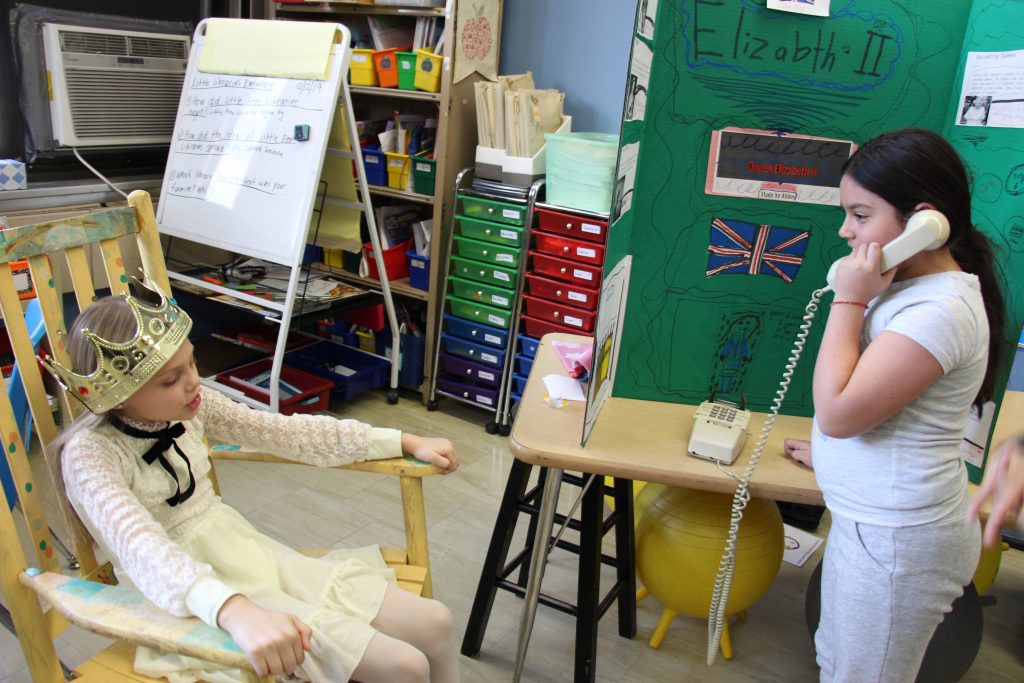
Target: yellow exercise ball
[
  {"x": 680, "y": 537},
  {"x": 988, "y": 566}
]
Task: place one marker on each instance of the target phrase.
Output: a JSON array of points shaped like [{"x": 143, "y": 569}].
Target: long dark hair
[{"x": 910, "y": 166}]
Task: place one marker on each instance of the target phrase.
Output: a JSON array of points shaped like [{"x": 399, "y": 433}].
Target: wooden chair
[{"x": 88, "y": 600}]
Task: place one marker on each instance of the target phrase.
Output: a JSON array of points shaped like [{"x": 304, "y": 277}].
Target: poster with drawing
[
  {"x": 646, "y": 11},
  {"x": 816, "y": 8},
  {"x": 607, "y": 337},
  {"x": 625, "y": 179},
  {"x": 636, "y": 86},
  {"x": 992, "y": 93},
  {"x": 763, "y": 164}
]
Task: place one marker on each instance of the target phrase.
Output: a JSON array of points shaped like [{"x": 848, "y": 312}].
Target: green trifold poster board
[{"x": 723, "y": 267}]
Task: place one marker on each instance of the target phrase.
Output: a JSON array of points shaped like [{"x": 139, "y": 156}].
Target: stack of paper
[{"x": 513, "y": 115}]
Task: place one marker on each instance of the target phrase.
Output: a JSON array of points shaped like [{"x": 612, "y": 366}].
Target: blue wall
[{"x": 580, "y": 47}]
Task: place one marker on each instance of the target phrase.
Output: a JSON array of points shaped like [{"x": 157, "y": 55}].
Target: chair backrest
[{"x": 70, "y": 239}]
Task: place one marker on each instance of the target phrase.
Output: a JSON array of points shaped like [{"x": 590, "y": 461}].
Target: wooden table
[{"x": 635, "y": 440}]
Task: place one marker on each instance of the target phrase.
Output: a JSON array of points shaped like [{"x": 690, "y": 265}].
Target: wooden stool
[{"x": 591, "y": 526}]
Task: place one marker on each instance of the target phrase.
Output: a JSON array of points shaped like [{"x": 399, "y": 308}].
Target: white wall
[{"x": 580, "y": 47}]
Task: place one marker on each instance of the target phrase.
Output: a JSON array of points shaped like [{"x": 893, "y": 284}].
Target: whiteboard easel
[{"x": 240, "y": 177}]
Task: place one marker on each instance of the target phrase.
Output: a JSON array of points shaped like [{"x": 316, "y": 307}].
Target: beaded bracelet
[{"x": 851, "y": 303}]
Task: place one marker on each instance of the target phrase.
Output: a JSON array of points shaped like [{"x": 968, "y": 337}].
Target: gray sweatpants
[{"x": 884, "y": 590}]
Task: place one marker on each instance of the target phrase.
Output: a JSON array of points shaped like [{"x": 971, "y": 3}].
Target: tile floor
[{"x": 305, "y": 506}]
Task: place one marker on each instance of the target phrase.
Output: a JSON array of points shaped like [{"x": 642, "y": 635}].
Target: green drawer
[
  {"x": 490, "y": 232},
  {"x": 483, "y": 272},
  {"x": 490, "y": 210},
  {"x": 477, "y": 312},
  {"x": 507, "y": 257},
  {"x": 487, "y": 294}
]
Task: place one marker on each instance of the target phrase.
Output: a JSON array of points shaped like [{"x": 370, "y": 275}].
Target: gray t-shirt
[{"x": 909, "y": 470}]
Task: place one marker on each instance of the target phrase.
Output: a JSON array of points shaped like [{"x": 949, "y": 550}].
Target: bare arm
[{"x": 854, "y": 392}]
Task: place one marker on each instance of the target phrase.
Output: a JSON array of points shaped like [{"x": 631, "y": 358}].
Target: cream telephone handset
[{"x": 926, "y": 230}]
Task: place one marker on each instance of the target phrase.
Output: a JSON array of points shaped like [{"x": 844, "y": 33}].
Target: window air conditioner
[{"x": 113, "y": 87}]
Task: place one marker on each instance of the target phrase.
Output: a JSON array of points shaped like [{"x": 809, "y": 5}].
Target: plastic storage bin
[
  {"x": 386, "y": 64},
  {"x": 419, "y": 271},
  {"x": 361, "y": 70},
  {"x": 312, "y": 393},
  {"x": 395, "y": 263},
  {"x": 410, "y": 356},
  {"x": 398, "y": 170},
  {"x": 528, "y": 345},
  {"x": 350, "y": 370},
  {"x": 470, "y": 329},
  {"x": 423, "y": 172},
  {"x": 406, "y": 70},
  {"x": 428, "y": 71},
  {"x": 376, "y": 165},
  {"x": 581, "y": 169}
]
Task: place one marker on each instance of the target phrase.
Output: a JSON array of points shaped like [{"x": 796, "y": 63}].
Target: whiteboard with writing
[{"x": 239, "y": 176}]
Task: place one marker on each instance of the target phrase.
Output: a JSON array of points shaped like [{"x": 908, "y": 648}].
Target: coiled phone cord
[{"x": 723, "y": 580}]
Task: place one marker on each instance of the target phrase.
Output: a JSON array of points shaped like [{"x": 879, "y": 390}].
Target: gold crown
[{"x": 123, "y": 368}]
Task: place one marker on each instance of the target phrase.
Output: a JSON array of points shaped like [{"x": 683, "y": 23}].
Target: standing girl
[
  {"x": 136, "y": 471},
  {"x": 904, "y": 356}
]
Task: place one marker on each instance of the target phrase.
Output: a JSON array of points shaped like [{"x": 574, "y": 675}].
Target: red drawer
[
  {"x": 538, "y": 328},
  {"x": 574, "y": 295},
  {"x": 557, "y": 312},
  {"x": 564, "y": 269},
  {"x": 574, "y": 226},
  {"x": 577, "y": 250}
]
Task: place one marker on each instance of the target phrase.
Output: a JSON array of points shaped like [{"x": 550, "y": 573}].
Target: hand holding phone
[{"x": 926, "y": 230}]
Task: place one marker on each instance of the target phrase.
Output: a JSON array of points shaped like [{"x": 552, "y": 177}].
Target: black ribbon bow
[{"x": 165, "y": 439}]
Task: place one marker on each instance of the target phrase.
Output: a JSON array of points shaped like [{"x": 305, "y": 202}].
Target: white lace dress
[{"x": 188, "y": 559}]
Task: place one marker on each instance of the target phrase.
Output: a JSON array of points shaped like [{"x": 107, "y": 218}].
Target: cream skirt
[{"x": 337, "y": 596}]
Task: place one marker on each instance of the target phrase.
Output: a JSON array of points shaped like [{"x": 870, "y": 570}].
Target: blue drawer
[
  {"x": 528, "y": 345},
  {"x": 520, "y": 383},
  {"x": 477, "y": 332},
  {"x": 487, "y": 355},
  {"x": 523, "y": 365}
]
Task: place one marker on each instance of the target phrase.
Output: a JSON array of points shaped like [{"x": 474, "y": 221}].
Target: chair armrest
[
  {"x": 406, "y": 467},
  {"x": 124, "y": 614}
]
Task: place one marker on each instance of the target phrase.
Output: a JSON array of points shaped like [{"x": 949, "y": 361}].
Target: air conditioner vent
[
  {"x": 133, "y": 104},
  {"x": 157, "y": 47},
  {"x": 93, "y": 43}
]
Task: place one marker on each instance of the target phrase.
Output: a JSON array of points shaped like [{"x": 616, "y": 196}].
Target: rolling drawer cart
[
  {"x": 483, "y": 275},
  {"x": 561, "y": 288}
]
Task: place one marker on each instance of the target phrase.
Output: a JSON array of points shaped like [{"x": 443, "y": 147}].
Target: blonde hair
[{"x": 112, "y": 319}]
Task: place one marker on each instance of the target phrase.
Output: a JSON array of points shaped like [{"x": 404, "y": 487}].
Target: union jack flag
[{"x": 738, "y": 247}]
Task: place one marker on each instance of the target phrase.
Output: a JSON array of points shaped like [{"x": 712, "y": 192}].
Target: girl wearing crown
[{"x": 135, "y": 469}]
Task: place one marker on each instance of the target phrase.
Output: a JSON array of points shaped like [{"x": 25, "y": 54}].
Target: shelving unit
[
  {"x": 455, "y": 144},
  {"x": 561, "y": 288},
  {"x": 483, "y": 280}
]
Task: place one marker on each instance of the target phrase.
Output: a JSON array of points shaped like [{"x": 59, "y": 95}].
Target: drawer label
[
  {"x": 582, "y": 274},
  {"x": 510, "y": 234},
  {"x": 485, "y": 400},
  {"x": 510, "y": 213},
  {"x": 504, "y": 258},
  {"x": 371, "y": 160},
  {"x": 573, "y": 320},
  {"x": 576, "y": 296},
  {"x": 492, "y": 338},
  {"x": 360, "y": 58},
  {"x": 425, "y": 168},
  {"x": 589, "y": 253},
  {"x": 500, "y": 300},
  {"x": 485, "y": 375},
  {"x": 496, "y": 319},
  {"x": 489, "y": 357},
  {"x": 498, "y": 275},
  {"x": 591, "y": 228}
]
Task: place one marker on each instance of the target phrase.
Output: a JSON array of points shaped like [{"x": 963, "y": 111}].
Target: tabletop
[{"x": 646, "y": 441}]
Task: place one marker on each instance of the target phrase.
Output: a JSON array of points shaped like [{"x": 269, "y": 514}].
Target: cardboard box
[{"x": 13, "y": 175}]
